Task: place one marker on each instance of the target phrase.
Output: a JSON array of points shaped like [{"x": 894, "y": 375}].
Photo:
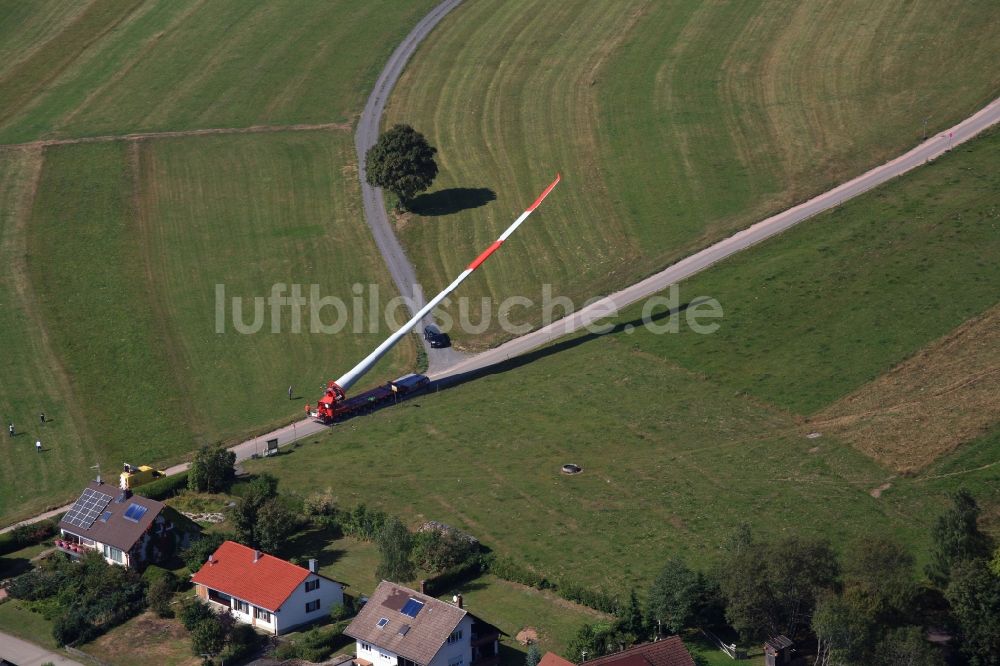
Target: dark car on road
[{"x": 433, "y": 335}]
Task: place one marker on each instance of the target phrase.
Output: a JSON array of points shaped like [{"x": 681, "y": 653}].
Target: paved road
[
  {"x": 24, "y": 653},
  {"x": 687, "y": 267},
  {"x": 395, "y": 258}
]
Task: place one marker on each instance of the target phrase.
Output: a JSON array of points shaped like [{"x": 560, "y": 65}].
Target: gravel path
[{"x": 392, "y": 252}]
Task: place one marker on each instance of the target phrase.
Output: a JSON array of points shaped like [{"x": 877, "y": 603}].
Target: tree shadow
[{"x": 452, "y": 200}]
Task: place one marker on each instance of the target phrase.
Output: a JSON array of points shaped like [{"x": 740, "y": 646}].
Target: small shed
[{"x": 778, "y": 650}]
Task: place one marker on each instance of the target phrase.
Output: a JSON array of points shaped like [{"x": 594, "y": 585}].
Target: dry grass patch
[
  {"x": 145, "y": 639},
  {"x": 946, "y": 395}
]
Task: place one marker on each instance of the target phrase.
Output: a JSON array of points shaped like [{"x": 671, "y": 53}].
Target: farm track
[{"x": 141, "y": 136}]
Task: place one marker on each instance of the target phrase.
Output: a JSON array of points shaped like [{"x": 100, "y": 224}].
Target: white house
[
  {"x": 126, "y": 529},
  {"x": 401, "y": 627},
  {"x": 264, "y": 591}
]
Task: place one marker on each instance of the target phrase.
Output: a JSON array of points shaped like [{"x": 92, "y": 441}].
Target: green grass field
[
  {"x": 125, "y": 244},
  {"x": 112, "y": 252},
  {"x": 684, "y": 435},
  {"x": 114, "y": 66},
  {"x": 674, "y": 124}
]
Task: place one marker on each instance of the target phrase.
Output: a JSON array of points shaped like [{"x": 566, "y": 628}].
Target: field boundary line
[{"x": 172, "y": 134}]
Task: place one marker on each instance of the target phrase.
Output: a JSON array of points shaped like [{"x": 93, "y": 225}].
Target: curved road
[{"x": 392, "y": 252}]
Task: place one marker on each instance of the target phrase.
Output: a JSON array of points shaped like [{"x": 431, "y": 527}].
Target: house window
[
  {"x": 381, "y": 623},
  {"x": 312, "y": 606},
  {"x": 241, "y": 606},
  {"x": 312, "y": 585},
  {"x": 455, "y": 637},
  {"x": 262, "y": 615},
  {"x": 366, "y": 647},
  {"x": 114, "y": 554}
]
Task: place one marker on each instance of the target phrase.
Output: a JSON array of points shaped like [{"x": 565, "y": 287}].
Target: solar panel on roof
[
  {"x": 412, "y": 607},
  {"x": 135, "y": 512},
  {"x": 87, "y": 508}
]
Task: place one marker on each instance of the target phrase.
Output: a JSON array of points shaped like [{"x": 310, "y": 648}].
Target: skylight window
[
  {"x": 135, "y": 512},
  {"x": 381, "y": 623},
  {"x": 412, "y": 607},
  {"x": 106, "y": 516}
]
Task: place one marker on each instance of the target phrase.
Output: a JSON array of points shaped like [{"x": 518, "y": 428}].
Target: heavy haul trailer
[
  {"x": 335, "y": 402},
  {"x": 329, "y": 408}
]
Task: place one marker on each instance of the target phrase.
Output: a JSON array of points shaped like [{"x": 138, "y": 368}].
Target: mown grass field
[
  {"x": 674, "y": 124},
  {"x": 124, "y": 245},
  {"x": 111, "y": 251},
  {"x": 115, "y": 66},
  {"x": 684, "y": 436}
]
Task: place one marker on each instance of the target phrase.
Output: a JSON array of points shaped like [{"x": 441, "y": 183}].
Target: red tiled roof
[
  {"x": 265, "y": 583},
  {"x": 666, "y": 652},
  {"x": 552, "y": 659}
]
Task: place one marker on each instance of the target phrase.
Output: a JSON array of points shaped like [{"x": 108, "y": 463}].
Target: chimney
[
  {"x": 423, "y": 587},
  {"x": 458, "y": 600},
  {"x": 312, "y": 565},
  {"x": 209, "y": 560},
  {"x": 256, "y": 556}
]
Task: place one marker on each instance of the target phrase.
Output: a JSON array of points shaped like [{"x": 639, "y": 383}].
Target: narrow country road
[
  {"x": 926, "y": 151},
  {"x": 392, "y": 252}
]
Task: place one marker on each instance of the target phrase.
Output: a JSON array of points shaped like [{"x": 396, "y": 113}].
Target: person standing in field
[
  {"x": 10, "y": 429},
  {"x": 38, "y": 445},
  {"x": 289, "y": 392},
  {"x": 41, "y": 417}
]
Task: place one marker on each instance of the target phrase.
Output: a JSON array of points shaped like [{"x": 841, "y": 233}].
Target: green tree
[
  {"x": 208, "y": 637},
  {"x": 772, "y": 588},
  {"x": 680, "y": 597},
  {"x": 402, "y": 162},
  {"x": 907, "y": 646},
  {"x": 956, "y": 537},
  {"x": 843, "y": 632},
  {"x": 533, "y": 656},
  {"x": 274, "y": 525},
  {"x": 395, "y": 546},
  {"x": 630, "y": 619},
  {"x": 196, "y": 554},
  {"x": 160, "y": 593},
  {"x": 212, "y": 470},
  {"x": 245, "y": 514},
  {"x": 995, "y": 563},
  {"x": 880, "y": 578},
  {"x": 974, "y": 595}
]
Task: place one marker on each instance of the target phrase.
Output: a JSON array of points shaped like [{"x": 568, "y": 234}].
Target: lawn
[
  {"x": 16, "y": 619},
  {"x": 674, "y": 124},
  {"x": 841, "y": 299},
  {"x": 672, "y": 463},
  {"x": 125, "y": 244},
  {"x": 151, "y": 639},
  {"x": 115, "y": 66}
]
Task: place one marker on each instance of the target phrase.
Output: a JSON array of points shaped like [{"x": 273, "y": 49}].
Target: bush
[
  {"x": 26, "y": 535},
  {"x": 160, "y": 594},
  {"x": 455, "y": 577},
  {"x": 195, "y": 555},
  {"x": 208, "y": 636},
  {"x": 165, "y": 488},
  {"x": 314, "y": 645},
  {"x": 194, "y": 613},
  {"x": 506, "y": 568},
  {"x": 212, "y": 470},
  {"x": 319, "y": 504},
  {"x": 242, "y": 642},
  {"x": 436, "y": 550}
]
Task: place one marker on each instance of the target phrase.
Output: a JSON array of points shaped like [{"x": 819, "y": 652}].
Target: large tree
[
  {"x": 880, "y": 578},
  {"x": 402, "y": 162},
  {"x": 956, "y": 537},
  {"x": 212, "y": 470},
  {"x": 680, "y": 598},
  {"x": 974, "y": 595},
  {"x": 843, "y": 632},
  {"x": 395, "y": 545}
]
